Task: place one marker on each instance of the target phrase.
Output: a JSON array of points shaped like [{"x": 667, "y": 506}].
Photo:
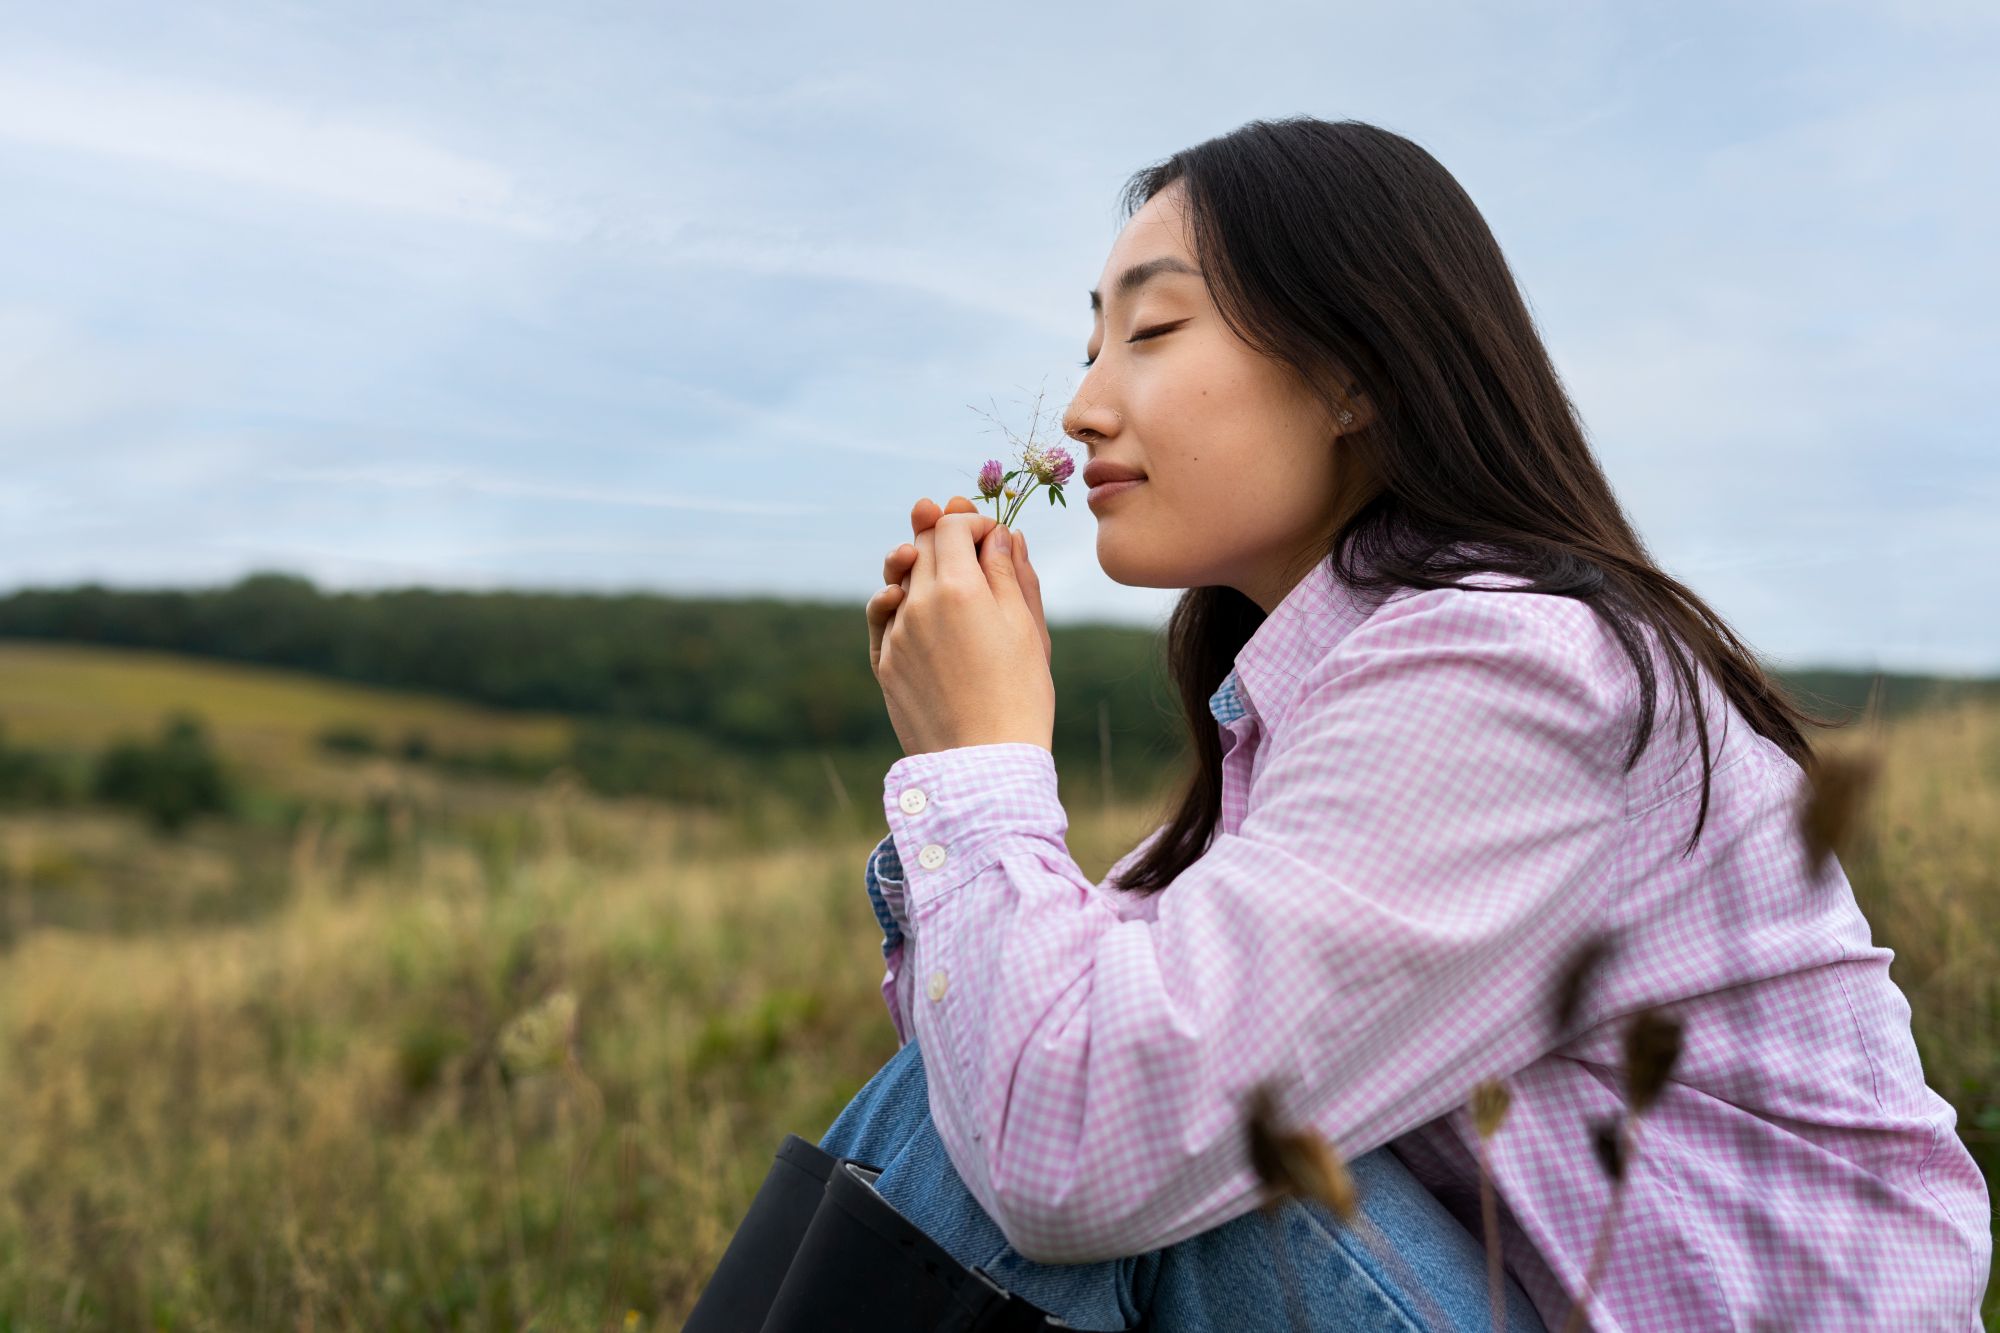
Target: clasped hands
[{"x": 957, "y": 638}]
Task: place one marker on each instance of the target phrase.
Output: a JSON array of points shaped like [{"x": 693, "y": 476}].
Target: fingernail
[{"x": 1004, "y": 539}]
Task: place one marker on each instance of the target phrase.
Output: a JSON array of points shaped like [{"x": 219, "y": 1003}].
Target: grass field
[
  {"x": 82, "y": 694},
  {"x": 497, "y": 1058}
]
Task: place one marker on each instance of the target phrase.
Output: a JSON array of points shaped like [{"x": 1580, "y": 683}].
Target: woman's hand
[
  {"x": 957, "y": 637},
  {"x": 896, "y": 576}
]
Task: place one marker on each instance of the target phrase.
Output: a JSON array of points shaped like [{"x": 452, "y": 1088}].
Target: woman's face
[{"x": 1240, "y": 461}]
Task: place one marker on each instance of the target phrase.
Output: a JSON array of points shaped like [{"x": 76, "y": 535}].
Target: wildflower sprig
[
  {"x": 1040, "y": 465},
  {"x": 1049, "y": 467}
]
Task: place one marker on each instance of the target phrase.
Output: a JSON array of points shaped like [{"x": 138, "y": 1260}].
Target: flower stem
[
  {"x": 1019, "y": 500},
  {"x": 1607, "y": 1230},
  {"x": 1489, "y": 1217}
]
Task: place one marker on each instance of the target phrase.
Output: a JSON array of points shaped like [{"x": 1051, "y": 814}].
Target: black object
[
  {"x": 821, "y": 1252},
  {"x": 740, "y": 1291}
]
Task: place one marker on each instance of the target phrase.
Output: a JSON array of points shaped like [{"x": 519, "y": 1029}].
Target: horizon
[{"x": 790, "y": 599}]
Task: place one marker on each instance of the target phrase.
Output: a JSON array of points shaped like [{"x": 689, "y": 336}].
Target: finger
[
  {"x": 882, "y": 606},
  {"x": 996, "y": 558},
  {"x": 924, "y": 572},
  {"x": 1024, "y": 574},
  {"x": 899, "y": 561},
  {"x": 957, "y": 546},
  {"x": 926, "y": 514},
  {"x": 979, "y": 525},
  {"x": 1031, "y": 589},
  {"x": 896, "y": 565}
]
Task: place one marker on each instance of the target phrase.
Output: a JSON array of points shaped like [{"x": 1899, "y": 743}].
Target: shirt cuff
[{"x": 951, "y": 812}]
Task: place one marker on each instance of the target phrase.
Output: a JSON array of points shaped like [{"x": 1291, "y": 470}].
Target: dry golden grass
[
  {"x": 326, "y": 1112},
  {"x": 1926, "y": 870},
  {"x": 83, "y": 695},
  {"x": 308, "y": 1118}
]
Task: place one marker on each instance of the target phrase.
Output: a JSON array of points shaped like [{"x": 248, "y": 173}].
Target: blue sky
[{"x": 604, "y": 297}]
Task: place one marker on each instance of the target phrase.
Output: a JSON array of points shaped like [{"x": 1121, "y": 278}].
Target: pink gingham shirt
[{"x": 1423, "y": 813}]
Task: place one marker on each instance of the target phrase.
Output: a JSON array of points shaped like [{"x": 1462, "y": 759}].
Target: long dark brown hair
[{"x": 1350, "y": 255}]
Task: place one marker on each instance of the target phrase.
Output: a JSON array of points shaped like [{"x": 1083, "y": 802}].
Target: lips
[{"x": 1099, "y": 472}]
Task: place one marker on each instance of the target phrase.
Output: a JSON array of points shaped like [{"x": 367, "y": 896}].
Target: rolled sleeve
[{"x": 951, "y": 812}]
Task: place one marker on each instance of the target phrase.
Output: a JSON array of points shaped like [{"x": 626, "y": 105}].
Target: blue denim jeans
[{"x": 1233, "y": 1276}]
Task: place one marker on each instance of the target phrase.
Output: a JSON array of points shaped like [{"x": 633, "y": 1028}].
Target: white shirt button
[
  {"x": 931, "y": 857},
  {"x": 913, "y": 801},
  {"x": 937, "y": 984}
]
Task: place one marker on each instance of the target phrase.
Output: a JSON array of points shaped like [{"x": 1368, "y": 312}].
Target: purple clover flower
[
  {"x": 1053, "y": 466},
  {"x": 990, "y": 478}
]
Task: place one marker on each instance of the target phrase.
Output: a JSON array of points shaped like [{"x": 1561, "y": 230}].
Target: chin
[{"x": 1135, "y": 568}]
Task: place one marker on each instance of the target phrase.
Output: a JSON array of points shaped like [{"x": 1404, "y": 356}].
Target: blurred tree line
[
  {"x": 705, "y": 700},
  {"x": 727, "y": 703}
]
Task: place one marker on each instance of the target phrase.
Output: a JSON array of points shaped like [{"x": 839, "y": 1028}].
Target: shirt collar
[
  {"x": 1314, "y": 616},
  {"x": 1227, "y": 701}
]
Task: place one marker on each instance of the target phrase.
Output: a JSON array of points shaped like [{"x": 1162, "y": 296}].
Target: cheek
[
  {"x": 1208, "y": 436},
  {"x": 1214, "y": 420},
  {"x": 1208, "y": 508},
  {"x": 1195, "y": 389},
  {"x": 1235, "y": 475}
]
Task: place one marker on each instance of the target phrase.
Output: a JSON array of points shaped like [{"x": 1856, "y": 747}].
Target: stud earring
[{"x": 1346, "y": 418}]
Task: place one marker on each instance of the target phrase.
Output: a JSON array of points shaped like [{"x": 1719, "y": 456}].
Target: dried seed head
[
  {"x": 1490, "y": 1101},
  {"x": 1837, "y": 789},
  {"x": 1582, "y": 967},
  {"x": 1652, "y": 1045},
  {"x": 1297, "y": 1162},
  {"x": 1607, "y": 1140},
  {"x": 540, "y": 1038}
]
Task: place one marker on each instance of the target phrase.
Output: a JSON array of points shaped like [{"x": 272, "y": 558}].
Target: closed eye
[{"x": 1141, "y": 335}]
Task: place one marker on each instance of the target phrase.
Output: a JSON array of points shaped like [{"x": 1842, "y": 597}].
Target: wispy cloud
[
  {"x": 436, "y": 477},
  {"x": 784, "y": 428},
  {"x": 343, "y": 156},
  {"x": 56, "y": 377}
]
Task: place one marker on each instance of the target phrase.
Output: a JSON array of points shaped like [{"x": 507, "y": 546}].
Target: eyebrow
[{"x": 1137, "y": 276}]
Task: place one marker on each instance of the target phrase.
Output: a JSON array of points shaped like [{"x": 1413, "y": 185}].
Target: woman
[{"x": 1440, "y": 698}]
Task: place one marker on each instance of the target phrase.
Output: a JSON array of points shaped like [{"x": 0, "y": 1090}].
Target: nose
[{"x": 1088, "y": 423}]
